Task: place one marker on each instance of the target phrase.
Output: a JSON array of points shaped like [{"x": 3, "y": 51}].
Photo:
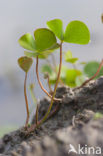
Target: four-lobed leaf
[
  {"x": 56, "y": 26},
  {"x": 25, "y": 63},
  {"x": 27, "y": 42},
  {"x": 77, "y": 32}
]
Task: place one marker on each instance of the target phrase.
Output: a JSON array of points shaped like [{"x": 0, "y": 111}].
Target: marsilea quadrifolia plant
[{"x": 41, "y": 45}]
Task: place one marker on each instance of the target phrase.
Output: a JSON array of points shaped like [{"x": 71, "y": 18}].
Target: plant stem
[
  {"x": 52, "y": 100},
  {"x": 54, "y": 111},
  {"x": 55, "y": 88},
  {"x": 37, "y": 60},
  {"x": 99, "y": 68},
  {"x": 26, "y": 101}
]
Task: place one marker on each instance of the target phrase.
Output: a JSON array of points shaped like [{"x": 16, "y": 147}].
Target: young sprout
[
  {"x": 45, "y": 42},
  {"x": 76, "y": 32},
  {"x": 79, "y": 78},
  {"x": 25, "y": 64}
]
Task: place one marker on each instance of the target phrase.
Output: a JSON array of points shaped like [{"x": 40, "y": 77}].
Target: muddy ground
[{"x": 73, "y": 124}]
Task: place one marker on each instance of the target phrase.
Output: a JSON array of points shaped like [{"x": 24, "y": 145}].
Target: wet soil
[{"x": 74, "y": 124}]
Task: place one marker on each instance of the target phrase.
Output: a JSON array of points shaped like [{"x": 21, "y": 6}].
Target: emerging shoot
[
  {"x": 44, "y": 43},
  {"x": 25, "y": 64}
]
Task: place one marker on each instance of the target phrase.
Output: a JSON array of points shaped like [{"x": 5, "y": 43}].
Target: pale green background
[{"x": 21, "y": 16}]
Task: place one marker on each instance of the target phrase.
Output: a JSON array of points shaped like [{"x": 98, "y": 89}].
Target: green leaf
[
  {"x": 77, "y": 32},
  {"x": 40, "y": 55},
  {"x": 45, "y": 39},
  {"x": 91, "y": 68},
  {"x": 25, "y": 63},
  {"x": 27, "y": 42},
  {"x": 30, "y": 54},
  {"x": 54, "y": 47},
  {"x": 71, "y": 76},
  {"x": 69, "y": 58},
  {"x": 56, "y": 26},
  {"x": 72, "y": 60},
  {"x": 46, "y": 69}
]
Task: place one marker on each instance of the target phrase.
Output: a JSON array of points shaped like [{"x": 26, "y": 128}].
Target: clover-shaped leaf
[
  {"x": 45, "y": 39},
  {"x": 77, "y": 32},
  {"x": 25, "y": 63},
  {"x": 69, "y": 58},
  {"x": 56, "y": 26},
  {"x": 27, "y": 42},
  {"x": 44, "y": 44}
]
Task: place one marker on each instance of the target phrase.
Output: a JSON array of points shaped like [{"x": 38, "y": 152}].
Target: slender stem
[
  {"x": 40, "y": 81},
  {"x": 55, "y": 88},
  {"x": 52, "y": 100},
  {"x": 54, "y": 111},
  {"x": 26, "y": 101},
  {"x": 99, "y": 68}
]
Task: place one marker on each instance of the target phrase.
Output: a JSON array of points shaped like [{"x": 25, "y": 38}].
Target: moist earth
[{"x": 74, "y": 124}]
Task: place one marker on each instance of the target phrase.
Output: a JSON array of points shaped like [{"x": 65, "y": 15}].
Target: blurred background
[{"x": 18, "y": 17}]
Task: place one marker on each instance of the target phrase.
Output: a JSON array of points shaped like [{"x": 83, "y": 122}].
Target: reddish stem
[
  {"x": 26, "y": 101},
  {"x": 99, "y": 68},
  {"x": 37, "y": 60}
]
